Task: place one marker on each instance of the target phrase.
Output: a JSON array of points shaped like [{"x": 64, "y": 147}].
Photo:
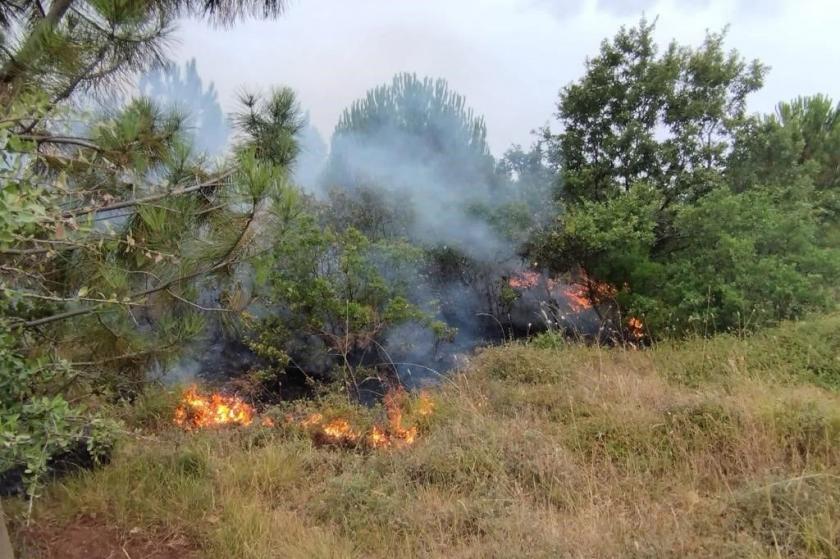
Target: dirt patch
[{"x": 89, "y": 538}]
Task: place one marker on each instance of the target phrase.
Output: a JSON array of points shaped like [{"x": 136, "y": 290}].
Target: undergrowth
[{"x": 725, "y": 447}]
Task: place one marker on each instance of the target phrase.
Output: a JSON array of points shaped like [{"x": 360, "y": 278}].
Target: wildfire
[
  {"x": 576, "y": 297},
  {"x": 525, "y": 280},
  {"x": 198, "y": 410},
  {"x": 580, "y": 296},
  {"x": 340, "y": 432},
  {"x": 425, "y": 405},
  {"x": 635, "y": 328}
]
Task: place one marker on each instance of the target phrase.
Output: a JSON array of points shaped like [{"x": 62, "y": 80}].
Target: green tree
[
  {"x": 107, "y": 233},
  {"x": 746, "y": 259},
  {"x": 342, "y": 289},
  {"x": 651, "y": 147},
  {"x": 795, "y": 148},
  {"x": 418, "y": 120},
  {"x": 64, "y": 46},
  {"x": 666, "y": 118}
]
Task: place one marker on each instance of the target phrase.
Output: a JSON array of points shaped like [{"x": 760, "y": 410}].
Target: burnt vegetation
[{"x": 658, "y": 273}]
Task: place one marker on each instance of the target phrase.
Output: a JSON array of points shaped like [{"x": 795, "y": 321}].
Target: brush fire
[
  {"x": 583, "y": 294},
  {"x": 394, "y": 433},
  {"x": 636, "y": 328},
  {"x": 197, "y": 411},
  {"x": 579, "y": 296}
]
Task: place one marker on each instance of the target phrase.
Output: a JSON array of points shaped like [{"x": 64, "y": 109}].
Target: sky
[{"x": 510, "y": 58}]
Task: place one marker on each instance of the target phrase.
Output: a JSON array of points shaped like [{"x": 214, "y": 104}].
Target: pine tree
[
  {"x": 183, "y": 90},
  {"x": 109, "y": 230}
]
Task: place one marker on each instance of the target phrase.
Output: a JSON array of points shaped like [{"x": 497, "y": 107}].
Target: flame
[
  {"x": 636, "y": 328},
  {"x": 587, "y": 292},
  {"x": 377, "y": 438},
  {"x": 198, "y": 410},
  {"x": 525, "y": 280},
  {"x": 580, "y": 296},
  {"x": 394, "y": 400},
  {"x": 339, "y": 431},
  {"x": 425, "y": 405},
  {"x": 577, "y": 298},
  {"x": 336, "y": 432}
]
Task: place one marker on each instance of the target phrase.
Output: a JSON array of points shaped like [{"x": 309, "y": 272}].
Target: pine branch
[
  {"x": 68, "y": 140},
  {"x": 225, "y": 261},
  {"x": 15, "y": 66},
  {"x": 70, "y": 214},
  {"x": 140, "y": 201}
]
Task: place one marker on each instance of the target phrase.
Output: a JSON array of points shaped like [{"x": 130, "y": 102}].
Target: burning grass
[
  {"x": 707, "y": 448},
  {"x": 200, "y": 411},
  {"x": 393, "y": 433}
]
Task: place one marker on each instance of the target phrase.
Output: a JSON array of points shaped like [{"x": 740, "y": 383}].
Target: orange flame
[
  {"x": 579, "y": 296},
  {"x": 340, "y": 432},
  {"x": 197, "y": 410},
  {"x": 525, "y": 280},
  {"x": 635, "y": 328},
  {"x": 587, "y": 292},
  {"x": 394, "y": 400},
  {"x": 378, "y": 438},
  {"x": 425, "y": 405}
]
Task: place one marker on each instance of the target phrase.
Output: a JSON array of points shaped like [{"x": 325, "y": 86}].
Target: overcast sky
[{"x": 508, "y": 57}]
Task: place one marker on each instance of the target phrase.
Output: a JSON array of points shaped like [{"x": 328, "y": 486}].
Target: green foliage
[
  {"x": 23, "y": 203},
  {"x": 338, "y": 286},
  {"x": 271, "y": 125},
  {"x": 755, "y": 261},
  {"x": 375, "y": 212},
  {"x": 675, "y": 197},
  {"x": 795, "y": 150},
  {"x": 107, "y": 237},
  {"x": 410, "y": 123},
  {"x": 36, "y": 421},
  {"x": 801, "y": 138},
  {"x": 667, "y": 118}
]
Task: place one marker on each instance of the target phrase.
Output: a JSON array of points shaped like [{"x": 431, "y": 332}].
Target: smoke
[
  {"x": 184, "y": 91},
  {"x": 312, "y": 157},
  {"x": 410, "y": 161},
  {"x": 440, "y": 201}
]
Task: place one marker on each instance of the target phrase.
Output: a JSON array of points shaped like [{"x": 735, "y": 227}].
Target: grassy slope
[{"x": 717, "y": 448}]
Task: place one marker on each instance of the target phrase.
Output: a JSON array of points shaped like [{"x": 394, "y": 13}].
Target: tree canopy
[
  {"x": 422, "y": 121},
  {"x": 703, "y": 217}
]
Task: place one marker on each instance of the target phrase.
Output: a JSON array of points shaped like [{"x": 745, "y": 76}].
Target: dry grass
[{"x": 719, "y": 448}]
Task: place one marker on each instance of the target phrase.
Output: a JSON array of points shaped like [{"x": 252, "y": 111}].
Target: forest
[{"x": 185, "y": 291}]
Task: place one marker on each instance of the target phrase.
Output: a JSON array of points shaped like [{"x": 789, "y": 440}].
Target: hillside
[{"x": 723, "y": 447}]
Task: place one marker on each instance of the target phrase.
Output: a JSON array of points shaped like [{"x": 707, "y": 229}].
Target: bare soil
[{"x": 92, "y": 538}]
